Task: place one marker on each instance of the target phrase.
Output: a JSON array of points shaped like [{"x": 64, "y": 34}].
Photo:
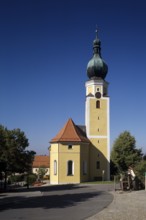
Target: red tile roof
[
  {"x": 40, "y": 160},
  {"x": 70, "y": 133}
]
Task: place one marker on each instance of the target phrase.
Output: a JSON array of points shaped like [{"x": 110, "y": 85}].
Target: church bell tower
[{"x": 97, "y": 115}]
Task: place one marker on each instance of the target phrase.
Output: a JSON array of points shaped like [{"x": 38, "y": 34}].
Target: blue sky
[{"x": 45, "y": 46}]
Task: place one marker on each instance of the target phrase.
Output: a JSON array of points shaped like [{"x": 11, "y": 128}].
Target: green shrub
[
  {"x": 140, "y": 170},
  {"x": 16, "y": 178},
  {"x": 30, "y": 179}
]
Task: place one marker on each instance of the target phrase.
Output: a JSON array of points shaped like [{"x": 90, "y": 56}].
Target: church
[{"x": 82, "y": 153}]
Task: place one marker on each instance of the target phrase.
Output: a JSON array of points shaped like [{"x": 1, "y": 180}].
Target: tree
[
  {"x": 124, "y": 152},
  {"x": 41, "y": 172},
  {"x": 144, "y": 157},
  {"x": 140, "y": 170},
  {"x": 13, "y": 153}
]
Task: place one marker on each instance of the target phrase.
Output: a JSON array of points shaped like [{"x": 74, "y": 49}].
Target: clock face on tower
[{"x": 98, "y": 95}]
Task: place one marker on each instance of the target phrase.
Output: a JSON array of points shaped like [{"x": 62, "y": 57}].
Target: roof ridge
[
  {"x": 75, "y": 129},
  {"x": 70, "y": 132},
  {"x": 65, "y": 127},
  {"x": 77, "y": 132}
]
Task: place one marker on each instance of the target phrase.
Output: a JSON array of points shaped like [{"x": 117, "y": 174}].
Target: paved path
[
  {"x": 90, "y": 202},
  {"x": 125, "y": 206},
  {"x": 70, "y": 202}
]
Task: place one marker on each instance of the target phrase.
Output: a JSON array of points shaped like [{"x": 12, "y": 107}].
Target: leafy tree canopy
[
  {"x": 124, "y": 152},
  {"x": 14, "y": 156},
  {"x": 42, "y": 171}
]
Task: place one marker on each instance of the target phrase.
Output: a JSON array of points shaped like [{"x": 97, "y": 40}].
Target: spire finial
[
  {"x": 96, "y": 43},
  {"x": 96, "y": 67},
  {"x": 96, "y": 31}
]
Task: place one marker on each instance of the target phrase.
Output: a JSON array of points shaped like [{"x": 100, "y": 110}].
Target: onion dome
[{"x": 97, "y": 68}]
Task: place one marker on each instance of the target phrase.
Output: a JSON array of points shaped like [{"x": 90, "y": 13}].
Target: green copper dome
[{"x": 96, "y": 67}]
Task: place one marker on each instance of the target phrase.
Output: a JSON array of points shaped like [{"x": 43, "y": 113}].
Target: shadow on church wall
[{"x": 99, "y": 165}]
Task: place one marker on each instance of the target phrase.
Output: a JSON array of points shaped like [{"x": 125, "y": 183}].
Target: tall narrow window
[
  {"x": 84, "y": 167},
  {"x": 97, "y": 164},
  {"x": 97, "y": 104},
  {"x": 55, "y": 167},
  {"x": 70, "y": 168}
]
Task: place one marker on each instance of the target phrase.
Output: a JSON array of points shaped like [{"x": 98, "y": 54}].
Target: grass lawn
[{"x": 99, "y": 182}]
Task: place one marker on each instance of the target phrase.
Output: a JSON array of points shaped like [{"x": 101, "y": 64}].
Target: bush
[
  {"x": 140, "y": 170},
  {"x": 16, "y": 178},
  {"x": 30, "y": 179}
]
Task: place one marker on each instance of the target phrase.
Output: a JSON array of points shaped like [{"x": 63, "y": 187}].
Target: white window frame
[{"x": 55, "y": 167}]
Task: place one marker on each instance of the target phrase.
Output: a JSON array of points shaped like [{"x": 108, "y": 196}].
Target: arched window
[
  {"x": 70, "y": 168},
  {"x": 97, "y": 104},
  {"x": 55, "y": 167}
]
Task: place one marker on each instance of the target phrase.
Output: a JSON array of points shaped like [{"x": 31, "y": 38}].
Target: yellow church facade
[
  {"x": 82, "y": 153},
  {"x": 97, "y": 128},
  {"x": 67, "y": 164},
  {"x": 69, "y": 155}
]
